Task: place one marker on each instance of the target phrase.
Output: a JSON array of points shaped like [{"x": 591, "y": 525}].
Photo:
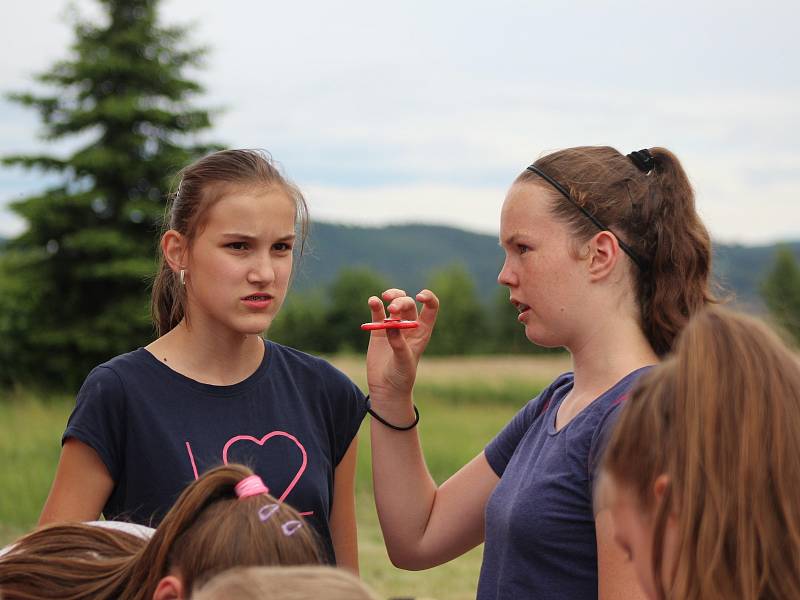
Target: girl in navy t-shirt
[
  {"x": 210, "y": 390},
  {"x": 605, "y": 256}
]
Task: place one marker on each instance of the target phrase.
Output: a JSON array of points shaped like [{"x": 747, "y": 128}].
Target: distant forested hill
[
  {"x": 407, "y": 254},
  {"x": 741, "y": 269}
]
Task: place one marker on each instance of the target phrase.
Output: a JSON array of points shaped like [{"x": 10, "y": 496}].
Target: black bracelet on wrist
[{"x": 389, "y": 425}]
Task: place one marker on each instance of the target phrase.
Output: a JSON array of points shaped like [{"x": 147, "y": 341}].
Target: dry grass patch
[{"x": 488, "y": 369}]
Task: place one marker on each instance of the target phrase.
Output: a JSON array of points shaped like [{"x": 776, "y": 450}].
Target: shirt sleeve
[
  {"x": 600, "y": 439},
  {"x": 349, "y": 407},
  {"x": 98, "y": 418},
  {"x": 500, "y": 450}
]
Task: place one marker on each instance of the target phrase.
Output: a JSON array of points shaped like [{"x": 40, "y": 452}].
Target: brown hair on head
[
  {"x": 208, "y": 530},
  {"x": 721, "y": 418},
  {"x": 201, "y": 184},
  {"x": 285, "y": 583},
  {"x": 654, "y": 214},
  {"x": 63, "y": 561}
]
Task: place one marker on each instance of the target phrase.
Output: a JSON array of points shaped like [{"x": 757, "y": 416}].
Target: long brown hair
[
  {"x": 285, "y": 583},
  {"x": 654, "y": 214},
  {"x": 208, "y": 530},
  {"x": 721, "y": 418},
  {"x": 201, "y": 184}
]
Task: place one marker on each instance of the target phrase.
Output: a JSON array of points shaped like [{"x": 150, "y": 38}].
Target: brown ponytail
[
  {"x": 208, "y": 530},
  {"x": 200, "y": 185},
  {"x": 654, "y": 214}
]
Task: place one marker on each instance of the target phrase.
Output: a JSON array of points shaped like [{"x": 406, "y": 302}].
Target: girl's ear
[
  {"x": 169, "y": 588},
  {"x": 174, "y": 248},
  {"x": 604, "y": 251},
  {"x": 660, "y": 486}
]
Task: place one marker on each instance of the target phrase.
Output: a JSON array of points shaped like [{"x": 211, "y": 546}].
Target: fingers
[
  {"x": 376, "y": 308},
  {"x": 405, "y": 307},
  {"x": 400, "y": 305},
  {"x": 400, "y": 347},
  {"x": 392, "y": 293},
  {"x": 430, "y": 307}
]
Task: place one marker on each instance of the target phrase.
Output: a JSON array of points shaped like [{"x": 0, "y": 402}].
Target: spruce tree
[{"x": 74, "y": 284}]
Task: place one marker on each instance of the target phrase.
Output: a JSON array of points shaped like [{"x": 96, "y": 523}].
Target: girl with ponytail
[
  {"x": 605, "y": 256},
  {"x": 211, "y": 390},
  {"x": 223, "y": 520}
]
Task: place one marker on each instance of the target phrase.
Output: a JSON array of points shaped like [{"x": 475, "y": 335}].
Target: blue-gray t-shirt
[
  {"x": 540, "y": 535},
  {"x": 156, "y": 430}
]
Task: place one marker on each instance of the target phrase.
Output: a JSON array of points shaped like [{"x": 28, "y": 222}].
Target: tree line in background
[
  {"x": 781, "y": 293},
  {"x": 73, "y": 285},
  {"x": 329, "y": 320}
]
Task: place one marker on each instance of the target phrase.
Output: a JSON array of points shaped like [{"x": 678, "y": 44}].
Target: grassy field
[{"x": 463, "y": 402}]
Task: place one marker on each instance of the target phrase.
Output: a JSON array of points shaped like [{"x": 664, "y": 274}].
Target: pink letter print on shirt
[{"x": 260, "y": 442}]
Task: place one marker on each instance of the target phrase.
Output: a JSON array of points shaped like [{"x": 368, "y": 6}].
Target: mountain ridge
[{"x": 407, "y": 254}]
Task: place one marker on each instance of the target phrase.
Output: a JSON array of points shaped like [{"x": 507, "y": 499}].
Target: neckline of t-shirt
[
  {"x": 217, "y": 390},
  {"x": 563, "y": 390}
]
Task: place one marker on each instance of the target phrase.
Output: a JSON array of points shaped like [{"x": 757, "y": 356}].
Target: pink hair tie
[{"x": 251, "y": 486}]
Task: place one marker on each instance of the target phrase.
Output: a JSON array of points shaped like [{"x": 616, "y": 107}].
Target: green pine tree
[
  {"x": 74, "y": 283},
  {"x": 781, "y": 292}
]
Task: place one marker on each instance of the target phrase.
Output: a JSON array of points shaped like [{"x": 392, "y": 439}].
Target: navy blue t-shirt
[
  {"x": 156, "y": 430},
  {"x": 540, "y": 534}
]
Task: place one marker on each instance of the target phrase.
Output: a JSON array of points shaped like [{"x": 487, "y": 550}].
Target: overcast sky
[{"x": 425, "y": 111}]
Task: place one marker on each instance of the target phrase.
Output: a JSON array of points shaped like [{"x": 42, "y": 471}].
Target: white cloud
[
  {"x": 414, "y": 109},
  {"x": 470, "y": 208}
]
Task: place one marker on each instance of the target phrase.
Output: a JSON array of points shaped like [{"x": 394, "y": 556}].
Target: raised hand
[{"x": 393, "y": 354}]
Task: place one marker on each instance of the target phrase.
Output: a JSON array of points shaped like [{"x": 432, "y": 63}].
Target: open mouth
[
  {"x": 521, "y": 308},
  {"x": 257, "y": 298}
]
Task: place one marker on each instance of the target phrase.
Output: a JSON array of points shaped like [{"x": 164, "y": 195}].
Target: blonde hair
[
  {"x": 285, "y": 583},
  {"x": 721, "y": 418},
  {"x": 208, "y": 530}
]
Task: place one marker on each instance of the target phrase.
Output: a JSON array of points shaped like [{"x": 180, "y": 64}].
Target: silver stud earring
[{"x": 182, "y": 276}]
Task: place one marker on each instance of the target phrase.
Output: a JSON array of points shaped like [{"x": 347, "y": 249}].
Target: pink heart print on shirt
[{"x": 249, "y": 438}]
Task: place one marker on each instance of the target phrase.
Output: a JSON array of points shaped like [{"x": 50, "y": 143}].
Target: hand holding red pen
[{"x": 393, "y": 354}]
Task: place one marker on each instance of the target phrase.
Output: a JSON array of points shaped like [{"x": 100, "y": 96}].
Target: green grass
[
  {"x": 451, "y": 436},
  {"x": 30, "y": 442},
  {"x": 457, "y": 420}
]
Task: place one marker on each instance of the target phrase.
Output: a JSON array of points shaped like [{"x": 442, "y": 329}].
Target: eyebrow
[
  {"x": 510, "y": 240},
  {"x": 247, "y": 236}
]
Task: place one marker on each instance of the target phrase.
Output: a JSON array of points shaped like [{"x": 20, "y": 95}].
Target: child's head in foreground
[
  {"x": 285, "y": 583},
  {"x": 701, "y": 473},
  {"x": 224, "y": 519}
]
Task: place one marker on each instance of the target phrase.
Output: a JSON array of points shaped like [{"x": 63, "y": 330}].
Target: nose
[
  {"x": 261, "y": 271},
  {"x": 506, "y": 276}
]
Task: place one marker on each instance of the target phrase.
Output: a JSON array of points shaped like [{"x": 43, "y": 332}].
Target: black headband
[
  {"x": 643, "y": 160},
  {"x": 627, "y": 249}
]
